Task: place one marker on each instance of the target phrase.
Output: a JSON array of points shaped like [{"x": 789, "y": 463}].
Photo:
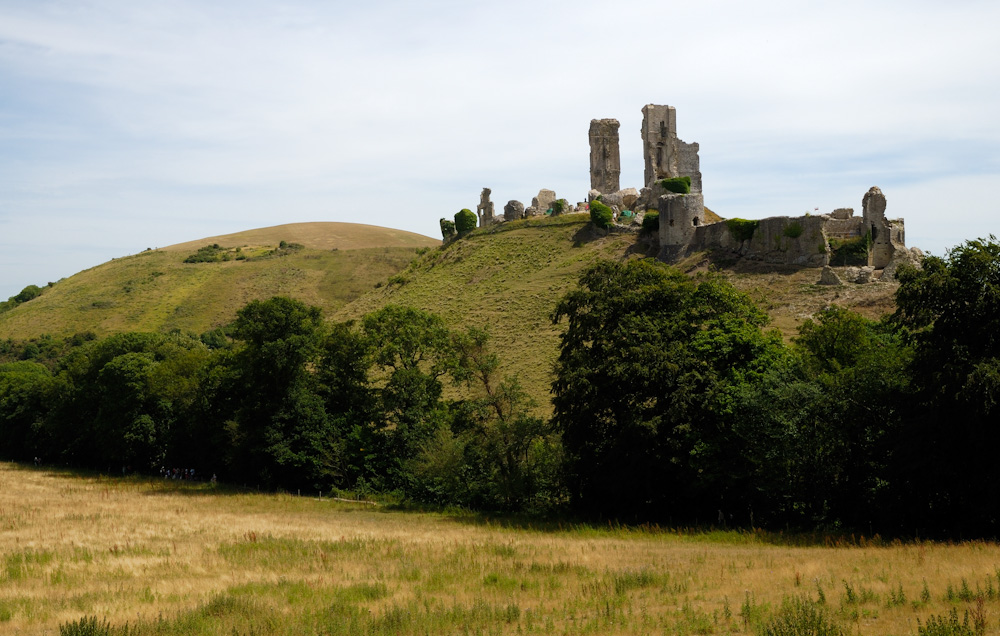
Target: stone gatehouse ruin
[{"x": 871, "y": 244}]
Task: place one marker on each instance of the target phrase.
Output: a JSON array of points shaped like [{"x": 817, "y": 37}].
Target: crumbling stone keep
[
  {"x": 605, "y": 159},
  {"x": 485, "y": 208},
  {"x": 665, "y": 155}
]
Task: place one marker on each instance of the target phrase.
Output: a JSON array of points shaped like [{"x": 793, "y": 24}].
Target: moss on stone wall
[
  {"x": 742, "y": 229},
  {"x": 680, "y": 185}
]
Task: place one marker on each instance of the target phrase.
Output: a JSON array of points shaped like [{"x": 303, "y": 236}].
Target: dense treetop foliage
[{"x": 671, "y": 403}]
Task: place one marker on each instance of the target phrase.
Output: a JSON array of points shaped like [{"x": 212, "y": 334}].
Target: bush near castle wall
[
  {"x": 601, "y": 214},
  {"x": 651, "y": 221},
  {"x": 447, "y": 229},
  {"x": 465, "y": 221},
  {"x": 852, "y": 251}
]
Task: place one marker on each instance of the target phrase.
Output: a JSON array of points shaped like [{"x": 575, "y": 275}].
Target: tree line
[{"x": 672, "y": 403}]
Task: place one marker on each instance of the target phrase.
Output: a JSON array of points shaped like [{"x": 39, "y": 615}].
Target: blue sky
[{"x": 127, "y": 124}]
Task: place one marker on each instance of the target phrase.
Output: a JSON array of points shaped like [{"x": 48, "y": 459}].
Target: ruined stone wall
[
  {"x": 844, "y": 228},
  {"x": 778, "y": 240},
  {"x": 689, "y": 164},
  {"x": 605, "y": 158},
  {"x": 790, "y": 241}
]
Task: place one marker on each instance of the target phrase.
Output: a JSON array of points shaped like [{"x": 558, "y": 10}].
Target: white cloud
[{"x": 184, "y": 119}]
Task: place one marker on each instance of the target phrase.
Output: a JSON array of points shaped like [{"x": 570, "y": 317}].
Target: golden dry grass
[
  {"x": 213, "y": 562},
  {"x": 317, "y": 235}
]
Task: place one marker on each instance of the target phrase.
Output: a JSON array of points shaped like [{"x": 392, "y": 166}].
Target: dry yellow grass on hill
[
  {"x": 316, "y": 235},
  {"x": 180, "y": 558}
]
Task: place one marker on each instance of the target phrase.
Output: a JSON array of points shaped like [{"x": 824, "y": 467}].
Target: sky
[{"x": 127, "y": 124}]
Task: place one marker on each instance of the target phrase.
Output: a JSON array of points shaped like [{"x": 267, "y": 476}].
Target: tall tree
[
  {"x": 952, "y": 305},
  {"x": 411, "y": 351},
  {"x": 640, "y": 393},
  {"x": 280, "y": 432}
]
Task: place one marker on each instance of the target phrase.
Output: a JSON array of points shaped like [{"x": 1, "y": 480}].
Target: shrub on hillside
[
  {"x": 28, "y": 293},
  {"x": 680, "y": 185},
  {"x": 208, "y": 254},
  {"x": 465, "y": 221},
  {"x": 559, "y": 206},
  {"x": 601, "y": 215}
]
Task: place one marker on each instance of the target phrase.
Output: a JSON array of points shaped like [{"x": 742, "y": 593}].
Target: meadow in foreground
[{"x": 172, "y": 557}]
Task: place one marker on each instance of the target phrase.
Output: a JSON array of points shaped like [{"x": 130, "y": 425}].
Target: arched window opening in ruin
[
  {"x": 671, "y": 222},
  {"x": 695, "y": 221}
]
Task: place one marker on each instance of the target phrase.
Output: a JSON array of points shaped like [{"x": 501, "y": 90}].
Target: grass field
[{"x": 184, "y": 558}]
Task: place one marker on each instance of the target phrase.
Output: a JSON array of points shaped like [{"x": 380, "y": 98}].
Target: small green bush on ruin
[
  {"x": 651, "y": 221},
  {"x": 742, "y": 229},
  {"x": 793, "y": 230},
  {"x": 851, "y": 251},
  {"x": 680, "y": 185}
]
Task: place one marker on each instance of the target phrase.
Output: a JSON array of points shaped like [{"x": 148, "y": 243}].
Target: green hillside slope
[
  {"x": 157, "y": 291},
  {"x": 507, "y": 279}
]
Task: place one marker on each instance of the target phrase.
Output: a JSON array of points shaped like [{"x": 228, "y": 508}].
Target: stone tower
[
  {"x": 605, "y": 161},
  {"x": 680, "y": 216},
  {"x": 873, "y": 219},
  {"x": 665, "y": 155}
]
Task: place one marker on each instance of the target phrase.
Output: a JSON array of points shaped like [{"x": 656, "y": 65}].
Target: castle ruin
[
  {"x": 809, "y": 240},
  {"x": 867, "y": 243}
]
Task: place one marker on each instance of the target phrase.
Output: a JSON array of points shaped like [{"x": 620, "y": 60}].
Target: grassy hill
[
  {"x": 506, "y": 278},
  {"x": 157, "y": 291}
]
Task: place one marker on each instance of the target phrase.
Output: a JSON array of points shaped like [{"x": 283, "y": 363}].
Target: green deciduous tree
[
  {"x": 952, "y": 306},
  {"x": 411, "y": 351},
  {"x": 280, "y": 430},
  {"x": 26, "y": 391},
  {"x": 497, "y": 454},
  {"x": 640, "y": 391}
]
